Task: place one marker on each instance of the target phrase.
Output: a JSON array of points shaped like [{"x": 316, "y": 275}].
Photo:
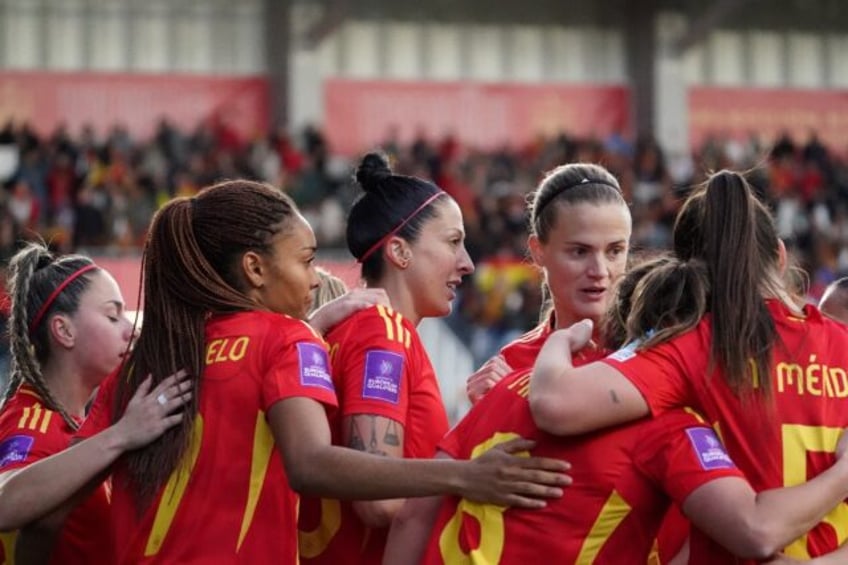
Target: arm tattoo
[
  {"x": 391, "y": 437},
  {"x": 357, "y": 438},
  {"x": 614, "y": 397}
]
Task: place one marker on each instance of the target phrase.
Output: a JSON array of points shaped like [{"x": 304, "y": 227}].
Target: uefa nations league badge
[
  {"x": 708, "y": 449},
  {"x": 15, "y": 449},
  {"x": 314, "y": 366},
  {"x": 383, "y": 370}
]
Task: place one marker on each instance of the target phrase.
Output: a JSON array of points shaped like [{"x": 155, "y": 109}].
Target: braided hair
[{"x": 35, "y": 274}]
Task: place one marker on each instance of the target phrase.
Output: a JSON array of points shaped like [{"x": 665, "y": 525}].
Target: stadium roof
[{"x": 806, "y": 15}]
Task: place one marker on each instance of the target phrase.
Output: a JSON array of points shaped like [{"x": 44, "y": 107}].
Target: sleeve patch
[
  {"x": 629, "y": 351},
  {"x": 314, "y": 366},
  {"x": 708, "y": 449},
  {"x": 15, "y": 449},
  {"x": 383, "y": 370}
]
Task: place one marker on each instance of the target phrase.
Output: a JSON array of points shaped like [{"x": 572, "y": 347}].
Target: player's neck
[
  {"x": 399, "y": 297},
  {"x": 66, "y": 384}
]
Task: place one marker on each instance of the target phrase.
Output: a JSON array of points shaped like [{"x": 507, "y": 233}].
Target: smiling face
[
  {"x": 438, "y": 261},
  {"x": 283, "y": 279},
  {"x": 101, "y": 332},
  {"x": 584, "y": 256}
]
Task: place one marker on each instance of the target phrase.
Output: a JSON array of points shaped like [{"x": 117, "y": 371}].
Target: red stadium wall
[
  {"x": 740, "y": 111},
  {"x": 359, "y": 114},
  {"x": 137, "y": 101}
]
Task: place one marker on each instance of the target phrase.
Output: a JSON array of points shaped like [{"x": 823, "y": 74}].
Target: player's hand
[
  {"x": 580, "y": 334},
  {"x": 507, "y": 475},
  {"x": 327, "y": 316},
  {"x": 150, "y": 413},
  {"x": 487, "y": 376}
]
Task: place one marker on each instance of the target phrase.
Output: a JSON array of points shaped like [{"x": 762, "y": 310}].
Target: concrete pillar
[
  {"x": 671, "y": 110},
  {"x": 277, "y": 46}
]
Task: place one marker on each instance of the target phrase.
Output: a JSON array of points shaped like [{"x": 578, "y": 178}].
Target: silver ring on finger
[{"x": 162, "y": 399}]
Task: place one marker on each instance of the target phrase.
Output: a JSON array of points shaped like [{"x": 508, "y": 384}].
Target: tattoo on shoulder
[{"x": 614, "y": 397}]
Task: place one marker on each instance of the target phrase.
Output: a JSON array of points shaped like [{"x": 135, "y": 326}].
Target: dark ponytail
[{"x": 726, "y": 227}]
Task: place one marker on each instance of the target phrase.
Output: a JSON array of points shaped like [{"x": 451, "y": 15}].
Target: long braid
[
  {"x": 191, "y": 268},
  {"x": 27, "y": 298}
]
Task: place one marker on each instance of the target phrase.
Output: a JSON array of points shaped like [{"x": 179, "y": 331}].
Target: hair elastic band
[
  {"x": 53, "y": 295},
  {"x": 397, "y": 228},
  {"x": 541, "y": 205}
]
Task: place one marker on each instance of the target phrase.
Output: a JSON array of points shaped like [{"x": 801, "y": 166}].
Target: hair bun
[{"x": 373, "y": 168}]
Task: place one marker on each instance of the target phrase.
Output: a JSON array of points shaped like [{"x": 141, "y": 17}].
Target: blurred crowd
[{"x": 82, "y": 191}]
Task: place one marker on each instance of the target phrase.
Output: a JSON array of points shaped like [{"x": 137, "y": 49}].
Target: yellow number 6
[{"x": 489, "y": 516}]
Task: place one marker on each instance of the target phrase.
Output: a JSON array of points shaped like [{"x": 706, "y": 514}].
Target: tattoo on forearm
[{"x": 614, "y": 397}]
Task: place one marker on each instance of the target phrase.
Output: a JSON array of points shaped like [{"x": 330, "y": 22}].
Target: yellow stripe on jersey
[
  {"x": 311, "y": 544},
  {"x": 174, "y": 491},
  {"x": 22, "y": 422},
  {"x": 387, "y": 319},
  {"x": 35, "y": 417},
  {"x": 7, "y": 542},
  {"x": 654, "y": 555},
  {"x": 45, "y": 421},
  {"x": 36, "y": 414},
  {"x": 612, "y": 514},
  {"x": 263, "y": 447},
  {"x": 399, "y": 326},
  {"x": 693, "y": 412}
]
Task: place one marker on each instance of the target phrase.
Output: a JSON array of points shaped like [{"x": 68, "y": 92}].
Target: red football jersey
[
  {"x": 380, "y": 367},
  {"x": 521, "y": 354},
  {"x": 230, "y": 501},
  {"x": 611, "y": 512},
  {"x": 30, "y": 432},
  {"x": 779, "y": 442}
]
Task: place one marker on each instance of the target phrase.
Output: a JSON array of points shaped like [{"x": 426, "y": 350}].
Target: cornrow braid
[
  {"x": 34, "y": 273},
  {"x": 192, "y": 268}
]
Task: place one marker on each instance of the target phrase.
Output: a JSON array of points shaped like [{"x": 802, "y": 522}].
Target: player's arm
[
  {"x": 316, "y": 467},
  {"x": 337, "y": 310},
  {"x": 381, "y": 436},
  {"x": 411, "y": 528},
  {"x": 568, "y": 400},
  {"x": 36, "y": 491},
  {"x": 758, "y": 525}
]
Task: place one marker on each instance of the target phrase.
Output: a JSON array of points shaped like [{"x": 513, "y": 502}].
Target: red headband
[
  {"x": 50, "y": 299},
  {"x": 398, "y": 227}
]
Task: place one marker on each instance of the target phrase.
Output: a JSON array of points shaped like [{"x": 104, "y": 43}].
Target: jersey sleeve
[
  {"x": 680, "y": 453},
  {"x": 664, "y": 373},
  {"x": 297, "y": 365},
  {"x": 374, "y": 371},
  {"x": 32, "y": 434}
]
